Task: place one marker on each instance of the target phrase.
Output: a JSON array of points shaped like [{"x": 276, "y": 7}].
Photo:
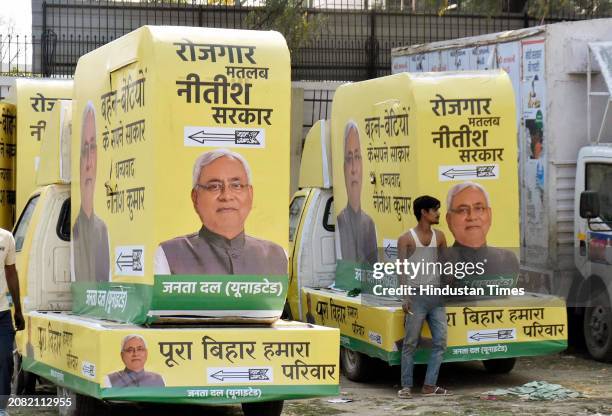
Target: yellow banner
[
  {"x": 8, "y": 129},
  {"x": 36, "y": 99},
  {"x": 168, "y": 96},
  {"x": 403, "y": 136},
  {"x": 526, "y": 318},
  {"x": 129, "y": 356}
]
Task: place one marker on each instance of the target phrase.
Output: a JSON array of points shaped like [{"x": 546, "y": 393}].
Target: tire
[
  {"x": 597, "y": 328},
  {"x": 499, "y": 365},
  {"x": 287, "y": 315},
  {"x": 80, "y": 405},
  {"x": 274, "y": 408},
  {"x": 24, "y": 382},
  {"x": 355, "y": 365}
]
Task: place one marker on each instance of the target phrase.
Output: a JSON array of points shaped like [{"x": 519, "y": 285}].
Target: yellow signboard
[
  {"x": 213, "y": 364},
  {"x": 403, "y": 136},
  {"x": 35, "y": 100},
  {"x": 182, "y": 154},
  {"x": 491, "y": 328},
  {"x": 7, "y": 166},
  {"x": 54, "y": 166}
]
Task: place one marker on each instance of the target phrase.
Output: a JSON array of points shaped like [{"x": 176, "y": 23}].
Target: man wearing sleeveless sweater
[{"x": 422, "y": 243}]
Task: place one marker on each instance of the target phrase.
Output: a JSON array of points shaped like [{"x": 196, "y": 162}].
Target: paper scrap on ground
[
  {"x": 537, "y": 390},
  {"x": 339, "y": 400}
]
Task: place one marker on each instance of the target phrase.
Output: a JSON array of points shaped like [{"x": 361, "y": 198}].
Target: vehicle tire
[
  {"x": 355, "y": 365},
  {"x": 23, "y": 381},
  {"x": 274, "y": 408},
  {"x": 598, "y": 328},
  {"x": 80, "y": 405},
  {"x": 287, "y": 315},
  {"x": 499, "y": 365}
]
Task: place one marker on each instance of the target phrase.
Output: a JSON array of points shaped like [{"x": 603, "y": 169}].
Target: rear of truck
[
  {"x": 419, "y": 134},
  {"x": 159, "y": 98}
]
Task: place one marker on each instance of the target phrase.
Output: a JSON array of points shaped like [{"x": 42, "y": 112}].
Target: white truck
[{"x": 562, "y": 79}]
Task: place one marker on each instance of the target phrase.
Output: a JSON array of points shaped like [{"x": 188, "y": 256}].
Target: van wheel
[
  {"x": 79, "y": 405},
  {"x": 598, "y": 328},
  {"x": 499, "y": 365},
  {"x": 24, "y": 382},
  {"x": 355, "y": 365},
  {"x": 274, "y": 408}
]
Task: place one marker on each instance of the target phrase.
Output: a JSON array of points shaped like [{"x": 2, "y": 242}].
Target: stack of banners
[
  {"x": 8, "y": 130},
  {"x": 486, "y": 329},
  {"x": 212, "y": 365},
  {"x": 398, "y": 138},
  {"x": 35, "y": 100},
  {"x": 181, "y": 174}
]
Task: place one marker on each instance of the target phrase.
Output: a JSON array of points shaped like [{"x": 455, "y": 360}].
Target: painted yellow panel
[
  {"x": 423, "y": 133},
  {"x": 35, "y": 100},
  {"x": 315, "y": 166},
  {"x": 159, "y": 98},
  {"x": 54, "y": 166},
  {"x": 7, "y": 166},
  {"x": 513, "y": 326},
  {"x": 285, "y": 353}
]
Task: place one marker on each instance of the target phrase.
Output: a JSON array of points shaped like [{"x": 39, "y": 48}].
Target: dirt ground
[{"x": 467, "y": 381}]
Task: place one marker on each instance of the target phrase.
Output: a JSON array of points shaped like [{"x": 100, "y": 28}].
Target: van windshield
[
  {"x": 599, "y": 178},
  {"x": 21, "y": 228}
]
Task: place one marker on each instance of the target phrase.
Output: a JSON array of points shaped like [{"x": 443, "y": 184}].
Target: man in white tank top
[{"x": 421, "y": 244}]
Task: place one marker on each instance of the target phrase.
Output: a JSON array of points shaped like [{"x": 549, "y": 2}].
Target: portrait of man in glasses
[
  {"x": 355, "y": 228},
  {"x": 90, "y": 246},
  {"x": 222, "y": 196},
  {"x": 469, "y": 218},
  {"x": 134, "y": 354}
]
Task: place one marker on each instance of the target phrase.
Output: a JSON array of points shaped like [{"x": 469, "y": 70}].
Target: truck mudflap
[
  {"x": 200, "y": 365},
  {"x": 482, "y": 329}
]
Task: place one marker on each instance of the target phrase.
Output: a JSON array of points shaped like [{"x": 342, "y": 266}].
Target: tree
[
  {"x": 540, "y": 9},
  {"x": 9, "y": 45},
  {"x": 290, "y": 18}
]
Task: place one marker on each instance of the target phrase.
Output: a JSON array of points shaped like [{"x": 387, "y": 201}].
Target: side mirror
[{"x": 589, "y": 204}]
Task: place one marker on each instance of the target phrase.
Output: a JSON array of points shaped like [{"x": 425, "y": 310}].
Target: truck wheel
[
  {"x": 263, "y": 408},
  {"x": 23, "y": 382},
  {"x": 80, "y": 405},
  {"x": 598, "y": 328},
  {"x": 355, "y": 365},
  {"x": 499, "y": 365}
]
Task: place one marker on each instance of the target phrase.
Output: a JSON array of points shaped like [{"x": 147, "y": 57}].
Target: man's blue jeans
[
  {"x": 7, "y": 339},
  {"x": 432, "y": 310}
]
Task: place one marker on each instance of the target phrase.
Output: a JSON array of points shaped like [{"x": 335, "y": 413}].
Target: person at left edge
[
  {"x": 222, "y": 196},
  {"x": 9, "y": 281}
]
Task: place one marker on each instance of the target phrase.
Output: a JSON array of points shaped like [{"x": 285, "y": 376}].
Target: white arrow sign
[
  {"x": 129, "y": 260},
  {"x": 491, "y": 335},
  {"x": 468, "y": 172},
  {"x": 198, "y": 136},
  {"x": 239, "y": 374}
]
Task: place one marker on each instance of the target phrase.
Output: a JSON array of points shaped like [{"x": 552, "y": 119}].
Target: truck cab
[{"x": 593, "y": 246}]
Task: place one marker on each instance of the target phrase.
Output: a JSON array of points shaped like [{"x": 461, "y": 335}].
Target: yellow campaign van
[
  {"x": 417, "y": 134},
  {"x": 168, "y": 131}
]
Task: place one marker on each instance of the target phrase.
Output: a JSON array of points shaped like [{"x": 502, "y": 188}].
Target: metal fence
[
  {"x": 15, "y": 55},
  {"x": 353, "y": 43}
]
